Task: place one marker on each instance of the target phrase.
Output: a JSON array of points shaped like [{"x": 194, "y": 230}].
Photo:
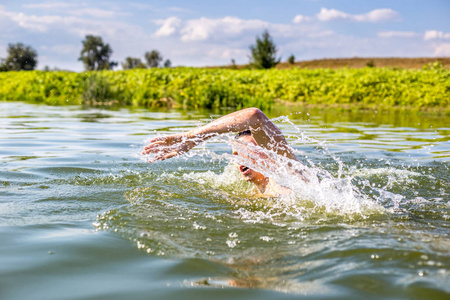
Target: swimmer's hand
[{"x": 165, "y": 147}]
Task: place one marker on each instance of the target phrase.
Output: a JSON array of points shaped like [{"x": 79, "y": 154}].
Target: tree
[
  {"x": 20, "y": 57},
  {"x": 264, "y": 52},
  {"x": 153, "y": 58},
  {"x": 132, "y": 63},
  {"x": 95, "y": 54},
  {"x": 3, "y": 67},
  {"x": 167, "y": 63},
  {"x": 291, "y": 59}
]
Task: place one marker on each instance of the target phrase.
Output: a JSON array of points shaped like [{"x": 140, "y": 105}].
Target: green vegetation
[{"x": 215, "y": 88}]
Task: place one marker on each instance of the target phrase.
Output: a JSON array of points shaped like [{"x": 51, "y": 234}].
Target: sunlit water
[{"x": 84, "y": 216}]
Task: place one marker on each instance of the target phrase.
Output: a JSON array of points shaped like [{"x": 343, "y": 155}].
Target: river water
[{"x": 84, "y": 216}]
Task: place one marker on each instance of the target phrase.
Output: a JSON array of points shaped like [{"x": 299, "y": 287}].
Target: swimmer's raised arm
[{"x": 265, "y": 133}]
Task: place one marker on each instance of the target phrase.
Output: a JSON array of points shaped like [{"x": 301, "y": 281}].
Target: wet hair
[{"x": 243, "y": 133}]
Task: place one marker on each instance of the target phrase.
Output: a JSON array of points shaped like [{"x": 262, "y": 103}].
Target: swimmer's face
[{"x": 247, "y": 173}]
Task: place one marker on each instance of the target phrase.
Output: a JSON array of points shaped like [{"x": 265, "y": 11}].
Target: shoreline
[{"x": 279, "y": 105}]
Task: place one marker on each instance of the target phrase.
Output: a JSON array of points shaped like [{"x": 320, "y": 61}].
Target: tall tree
[
  {"x": 263, "y": 54},
  {"x": 95, "y": 54},
  {"x": 153, "y": 58},
  {"x": 132, "y": 63},
  {"x": 20, "y": 57}
]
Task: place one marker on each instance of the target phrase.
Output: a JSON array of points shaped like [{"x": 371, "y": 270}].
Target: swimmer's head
[
  {"x": 243, "y": 151},
  {"x": 243, "y": 133}
]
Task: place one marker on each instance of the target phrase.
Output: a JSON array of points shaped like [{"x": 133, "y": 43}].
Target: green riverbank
[{"x": 215, "y": 88}]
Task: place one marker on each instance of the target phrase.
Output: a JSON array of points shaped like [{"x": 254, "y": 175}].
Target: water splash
[
  {"x": 353, "y": 190},
  {"x": 313, "y": 188}
]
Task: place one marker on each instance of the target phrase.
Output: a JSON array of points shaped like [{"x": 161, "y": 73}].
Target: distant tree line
[
  {"x": 153, "y": 59},
  {"x": 96, "y": 55}
]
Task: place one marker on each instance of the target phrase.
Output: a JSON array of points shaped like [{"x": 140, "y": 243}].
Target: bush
[
  {"x": 291, "y": 59},
  {"x": 370, "y": 64},
  {"x": 97, "y": 90}
]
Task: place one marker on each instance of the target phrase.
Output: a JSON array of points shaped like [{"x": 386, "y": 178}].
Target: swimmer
[{"x": 254, "y": 130}]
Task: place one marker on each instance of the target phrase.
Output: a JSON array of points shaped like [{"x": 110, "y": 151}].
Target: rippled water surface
[{"x": 84, "y": 216}]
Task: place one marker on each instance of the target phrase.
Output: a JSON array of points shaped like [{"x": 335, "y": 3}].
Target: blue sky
[{"x": 202, "y": 33}]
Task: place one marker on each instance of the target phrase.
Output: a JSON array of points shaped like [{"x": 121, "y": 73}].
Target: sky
[{"x": 211, "y": 33}]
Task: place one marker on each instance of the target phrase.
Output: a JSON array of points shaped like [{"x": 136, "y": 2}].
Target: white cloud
[
  {"x": 75, "y": 9},
  {"x": 442, "y": 50},
  {"x": 217, "y": 41},
  {"x": 49, "y": 5},
  {"x": 160, "y": 10},
  {"x": 392, "y": 34},
  {"x": 230, "y": 29},
  {"x": 377, "y": 15},
  {"x": 94, "y": 12},
  {"x": 205, "y": 28},
  {"x": 168, "y": 26},
  {"x": 38, "y": 23},
  {"x": 74, "y": 25},
  {"x": 332, "y": 14},
  {"x": 434, "y": 34},
  {"x": 301, "y": 19},
  {"x": 179, "y": 9}
]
